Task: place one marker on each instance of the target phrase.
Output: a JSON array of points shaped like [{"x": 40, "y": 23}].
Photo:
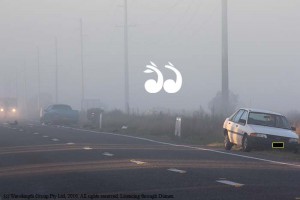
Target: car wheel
[
  {"x": 227, "y": 143},
  {"x": 245, "y": 145}
]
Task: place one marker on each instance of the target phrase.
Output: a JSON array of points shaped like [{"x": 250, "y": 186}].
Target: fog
[{"x": 263, "y": 40}]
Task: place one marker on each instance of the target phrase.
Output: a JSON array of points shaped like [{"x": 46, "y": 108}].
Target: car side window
[
  {"x": 244, "y": 116},
  {"x": 233, "y": 116},
  {"x": 238, "y": 116}
]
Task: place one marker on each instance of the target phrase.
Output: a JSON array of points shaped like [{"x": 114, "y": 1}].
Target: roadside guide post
[
  {"x": 178, "y": 127},
  {"x": 100, "y": 121}
]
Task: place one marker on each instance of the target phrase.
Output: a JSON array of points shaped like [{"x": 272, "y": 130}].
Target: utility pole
[
  {"x": 82, "y": 71},
  {"x": 25, "y": 89},
  {"x": 17, "y": 89},
  {"x": 127, "y": 108},
  {"x": 225, "y": 87},
  {"x": 56, "y": 72},
  {"x": 39, "y": 79}
]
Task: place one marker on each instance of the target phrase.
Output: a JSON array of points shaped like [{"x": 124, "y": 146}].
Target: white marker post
[
  {"x": 100, "y": 121},
  {"x": 178, "y": 127}
]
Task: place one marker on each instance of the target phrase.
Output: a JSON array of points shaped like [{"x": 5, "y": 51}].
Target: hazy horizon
[{"x": 264, "y": 50}]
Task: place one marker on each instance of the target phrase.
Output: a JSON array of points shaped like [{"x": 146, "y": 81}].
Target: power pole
[
  {"x": 225, "y": 87},
  {"x": 25, "y": 89},
  {"x": 56, "y": 72},
  {"x": 127, "y": 108},
  {"x": 82, "y": 71},
  {"x": 39, "y": 79},
  {"x": 17, "y": 89}
]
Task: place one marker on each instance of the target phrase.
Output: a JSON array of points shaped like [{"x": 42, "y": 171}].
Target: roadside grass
[{"x": 199, "y": 128}]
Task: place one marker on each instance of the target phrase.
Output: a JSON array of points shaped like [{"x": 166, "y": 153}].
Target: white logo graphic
[{"x": 170, "y": 86}]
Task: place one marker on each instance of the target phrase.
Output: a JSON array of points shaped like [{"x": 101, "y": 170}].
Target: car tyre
[
  {"x": 227, "y": 144},
  {"x": 245, "y": 145}
]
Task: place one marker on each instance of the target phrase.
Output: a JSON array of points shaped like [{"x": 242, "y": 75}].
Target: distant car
[
  {"x": 9, "y": 110},
  {"x": 253, "y": 128},
  {"x": 59, "y": 114}
]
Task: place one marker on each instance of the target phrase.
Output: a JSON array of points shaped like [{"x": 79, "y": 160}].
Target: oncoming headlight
[
  {"x": 1, "y": 110},
  {"x": 293, "y": 140},
  {"x": 258, "y": 135},
  {"x": 14, "y": 110}
]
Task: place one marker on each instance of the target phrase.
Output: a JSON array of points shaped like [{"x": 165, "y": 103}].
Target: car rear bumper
[
  {"x": 59, "y": 120},
  {"x": 266, "y": 143}
]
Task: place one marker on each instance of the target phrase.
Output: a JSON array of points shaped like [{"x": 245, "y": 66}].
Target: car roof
[
  {"x": 261, "y": 111},
  {"x": 60, "y": 105}
]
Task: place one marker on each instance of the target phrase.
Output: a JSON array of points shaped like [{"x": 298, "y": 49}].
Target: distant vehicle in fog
[
  {"x": 59, "y": 114},
  {"x": 253, "y": 128},
  {"x": 9, "y": 110}
]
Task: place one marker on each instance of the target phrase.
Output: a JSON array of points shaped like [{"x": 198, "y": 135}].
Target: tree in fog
[{"x": 215, "y": 104}]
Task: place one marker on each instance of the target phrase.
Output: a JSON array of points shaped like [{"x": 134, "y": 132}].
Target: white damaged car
[{"x": 253, "y": 128}]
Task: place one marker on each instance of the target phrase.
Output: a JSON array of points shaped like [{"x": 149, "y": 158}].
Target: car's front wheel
[
  {"x": 246, "y": 145},
  {"x": 227, "y": 144}
]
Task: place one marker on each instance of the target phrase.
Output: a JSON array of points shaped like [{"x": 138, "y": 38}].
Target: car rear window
[
  {"x": 267, "y": 119},
  {"x": 61, "y": 107}
]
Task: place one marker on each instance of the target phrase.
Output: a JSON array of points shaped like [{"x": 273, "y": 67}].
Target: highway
[{"x": 57, "y": 162}]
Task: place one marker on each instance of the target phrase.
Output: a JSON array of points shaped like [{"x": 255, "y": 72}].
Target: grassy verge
[{"x": 199, "y": 128}]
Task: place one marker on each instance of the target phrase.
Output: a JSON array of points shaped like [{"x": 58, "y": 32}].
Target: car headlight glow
[
  {"x": 14, "y": 110},
  {"x": 258, "y": 135},
  {"x": 2, "y": 110},
  {"x": 293, "y": 140}
]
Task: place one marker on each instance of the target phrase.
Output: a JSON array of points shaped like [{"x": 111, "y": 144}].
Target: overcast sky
[{"x": 264, "y": 50}]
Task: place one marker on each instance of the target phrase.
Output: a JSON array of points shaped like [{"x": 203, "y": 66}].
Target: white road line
[
  {"x": 55, "y": 139},
  {"x": 70, "y": 143},
  {"x": 230, "y": 183},
  {"x": 45, "y": 136},
  {"x": 35, "y": 133},
  {"x": 107, "y": 154},
  {"x": 177, "y": 170},
  {"x": 138, "y": 162},
  {"x": 87, "y": 148},
  {"x": 20, "y": 130},
  {"x": 191, "y": 147}
]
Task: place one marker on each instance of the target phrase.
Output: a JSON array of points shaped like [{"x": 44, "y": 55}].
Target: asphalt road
[{"x": 55, "y": 162}]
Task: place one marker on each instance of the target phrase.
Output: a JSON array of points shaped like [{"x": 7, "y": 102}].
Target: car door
[
  {"x": 232, "y": 126},
  {"x": 241, "y": 127}
]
